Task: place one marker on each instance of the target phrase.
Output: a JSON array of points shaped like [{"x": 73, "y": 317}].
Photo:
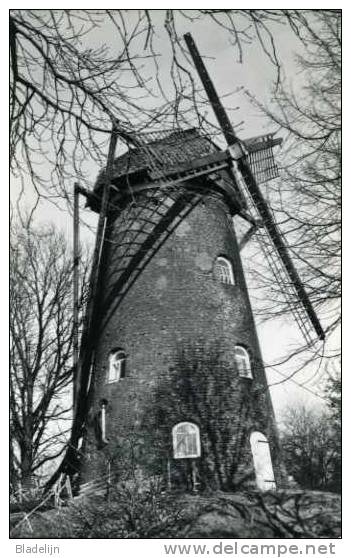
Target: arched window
[
  {"x": 242, "y": 361},
  {"x": 116, "y": 365},
  {"x": 223, "y": 271},
  {"x": 186, "y": 440},
  {"x": 262, "y": 461}
]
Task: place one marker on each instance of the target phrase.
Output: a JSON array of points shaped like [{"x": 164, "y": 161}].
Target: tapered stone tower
[{"x": 178, "y": 379}]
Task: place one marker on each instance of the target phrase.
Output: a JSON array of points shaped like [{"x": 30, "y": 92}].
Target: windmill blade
[
  {"x": 241, "y": 161},
  {"x": 279, "y": 269},
  {"x": 278, "y": 242}
]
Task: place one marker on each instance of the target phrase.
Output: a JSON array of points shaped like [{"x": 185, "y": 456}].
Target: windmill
[{"x": 167, "y": 271}]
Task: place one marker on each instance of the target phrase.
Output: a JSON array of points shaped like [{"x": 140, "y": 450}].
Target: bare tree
[
  {"x": 333, "y": 394},
  {"x": 311, "y": 450},
  {"x": 66, "y": 90},
  {"x": 307, "y": 199},
  {"x": 41, "y": 343},
  {"x": 63, "y": 95}
]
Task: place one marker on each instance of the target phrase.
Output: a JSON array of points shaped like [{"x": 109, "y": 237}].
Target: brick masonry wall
[{"x": 174, "y": 302}]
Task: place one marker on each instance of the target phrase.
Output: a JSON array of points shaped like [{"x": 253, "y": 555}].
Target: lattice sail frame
[{"x": 261, "y": 157}]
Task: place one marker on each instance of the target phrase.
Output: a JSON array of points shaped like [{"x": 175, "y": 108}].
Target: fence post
[
  {"x": 193, "y": 475},
  {"x": 169, "y": 476}
]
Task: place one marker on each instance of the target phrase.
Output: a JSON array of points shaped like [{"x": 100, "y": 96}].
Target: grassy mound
[{"x": 134, "y": 513}]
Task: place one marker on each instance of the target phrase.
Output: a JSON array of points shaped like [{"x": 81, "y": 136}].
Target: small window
[
  {"x": 116, "y": 366},
  {"x": 223, "y": 271},
  {"x": 186, "y": 440},
  {"x": 242, "y": 360},
  {"x": 103, "y": 420},
  {"x": 100, "y": 424}
]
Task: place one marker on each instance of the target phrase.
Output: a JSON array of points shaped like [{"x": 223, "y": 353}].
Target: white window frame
[
  {"x": 186, "y": 440},
  {"x": 243, "y": 362},
  {"x": 224, "y": 271},
  {"x": 116, "y": 362}
]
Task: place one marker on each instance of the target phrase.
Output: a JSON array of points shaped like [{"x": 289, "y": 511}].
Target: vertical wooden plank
[
  {"x": 169, "y": 477},
  {"x": 69, "y": 487},
  {"x": 193, "y": 475},
  {"x": 76, "y": 257},
  {"x": 90, "y": 327}
]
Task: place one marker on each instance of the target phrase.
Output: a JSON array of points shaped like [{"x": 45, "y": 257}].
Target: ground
[{"x": 133, "y": 514}]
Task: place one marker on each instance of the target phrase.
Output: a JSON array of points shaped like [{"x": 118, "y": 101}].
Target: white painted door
[{"x": 262, "y": 461}]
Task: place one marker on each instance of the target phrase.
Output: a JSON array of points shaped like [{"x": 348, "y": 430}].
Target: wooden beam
[
  {"x": 215, "y": 157},
  {"x": 88, "y": 339},
  {"x": 75, "y": 286}
]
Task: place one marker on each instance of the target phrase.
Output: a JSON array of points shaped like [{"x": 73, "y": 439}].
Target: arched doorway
[{"x": 262, "y": 461}]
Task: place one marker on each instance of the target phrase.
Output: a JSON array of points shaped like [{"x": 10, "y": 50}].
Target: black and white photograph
[{"x": 175, "y": 280}]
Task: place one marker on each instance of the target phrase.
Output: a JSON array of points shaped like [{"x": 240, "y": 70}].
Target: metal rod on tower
[
  {"x": 89, "y": 327},
  {"x": 245, "y": 170},
  {"x": 75, "y": 285}
]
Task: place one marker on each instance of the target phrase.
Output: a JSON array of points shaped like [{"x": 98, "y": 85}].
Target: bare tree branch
[{"x": 41, "y": 345}]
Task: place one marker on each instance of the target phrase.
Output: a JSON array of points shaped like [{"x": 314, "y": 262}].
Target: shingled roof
[{"x": 165, "y": 153}]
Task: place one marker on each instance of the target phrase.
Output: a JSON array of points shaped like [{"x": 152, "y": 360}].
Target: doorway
[{"x": 262, "y": 462}]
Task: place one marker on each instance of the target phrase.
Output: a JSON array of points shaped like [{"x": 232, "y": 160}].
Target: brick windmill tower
[{"x": 171, "y": 382}]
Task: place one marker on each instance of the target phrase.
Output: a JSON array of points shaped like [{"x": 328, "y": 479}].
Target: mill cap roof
[{"x": 161, "y": 152}]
